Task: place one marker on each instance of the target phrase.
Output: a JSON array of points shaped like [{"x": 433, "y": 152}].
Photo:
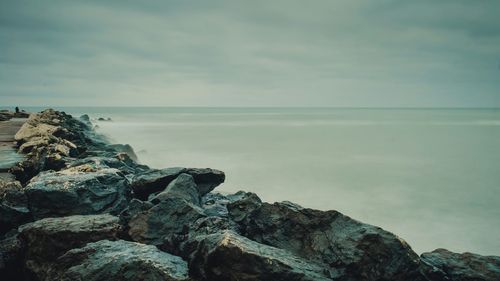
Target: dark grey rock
[
  {"x": 154, "y": 181},
  {"x": 13, "y": 206},
  {"x": 170, "y": 217},
  {"x": 124, "y": 148},
  {"x": 11, "y": 258},
  {"x": 351, "y": 250},
  {"x": 182, "y": 187},
  {"x": 229, "y": 256},
  {"x": 48, "y": 238},
  {"x": 77, "y": 190},
  {"x": 119, "y": 260},
  {"x": 464, "y": 267}
]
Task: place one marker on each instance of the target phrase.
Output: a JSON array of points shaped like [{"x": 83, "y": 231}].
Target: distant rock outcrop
[{"x": 83, "y": 209}]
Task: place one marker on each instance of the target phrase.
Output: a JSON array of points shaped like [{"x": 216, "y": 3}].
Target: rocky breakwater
[{"x": 83, "y": 209}]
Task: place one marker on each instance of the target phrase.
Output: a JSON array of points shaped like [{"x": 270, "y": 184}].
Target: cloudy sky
[{"x": 382, "y": 53}]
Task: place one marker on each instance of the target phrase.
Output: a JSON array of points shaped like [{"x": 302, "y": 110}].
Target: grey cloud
[{"x": 220, "y": 53}]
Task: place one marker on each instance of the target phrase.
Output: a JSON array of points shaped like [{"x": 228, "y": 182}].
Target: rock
[
  {"x": 118, "y": 161},
  {"x": 154, "y": 181},
  {"x": 124, "y": 148},
  {"x": 49, "y": 238},
  {"x": 351, "y": 250},
  {"x": 38, "y": 130},
  {"x": 79, "y": 190},
  {"x": 182, "y": 187},
  {"x": 85, "y": 118},
  {"x": 464, "y": 267},
  {"x": 119, "y": 260},
  {"x": 170, "y": 217},
  {"x": 11, "y": 258},
  {"x": 13, "y": 206},
  {"x": 229, "y": 256}
]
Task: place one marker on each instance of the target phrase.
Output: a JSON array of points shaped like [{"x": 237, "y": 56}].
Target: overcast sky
[{"x": 250, "y": 53}]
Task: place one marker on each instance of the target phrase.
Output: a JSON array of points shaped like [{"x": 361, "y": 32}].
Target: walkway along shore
[
  {"x": 8, "y": 151},
  {"x": 80, "y": 208}
]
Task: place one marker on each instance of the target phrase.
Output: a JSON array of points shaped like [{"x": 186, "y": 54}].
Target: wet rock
[
  {"x": 119, "y": 260},
  {"x": 48, "y": 238},
  {"x": 11, "y": 258},
  {"x": 182, "y": 187},
  {"x": 170, "y": 217},
  {"x": 176, "y": 208},
  {"x": 85, "y": 118},
  {"x": 153, "y": 181},
  {"x": 124, "y": 148},
  {"x": 13, "y": 206},
  {"x": 351, "y": 250},
  {"x": 464, "y": 267},
  {"x": 77, "y": 190},
  {"x": 229, "y": 256}
]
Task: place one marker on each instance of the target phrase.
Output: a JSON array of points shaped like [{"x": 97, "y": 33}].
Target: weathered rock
[
  {"x": 182, "y": 187},
  {"x": 77, "y": 190},
  {"x": 464, "y": 267},
  {"x": 176, "y": 208},
  {"x": 118, "y": 161},
  {"x": 154, "y": 181},
  {"x": 117, "y": 261},
  {"x": 13, "y": 206},
  {"x": 229, "y": 256},
  {"x": 11, "y": 258},
  {"x": 351, "y": 250},
  {"x": 124, "y": 148},
  {"x": 49, "y": 238},
  {"x": 170, "y": 217}
]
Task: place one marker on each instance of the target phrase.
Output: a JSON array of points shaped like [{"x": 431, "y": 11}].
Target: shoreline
[{"x": 72, "y": 175}]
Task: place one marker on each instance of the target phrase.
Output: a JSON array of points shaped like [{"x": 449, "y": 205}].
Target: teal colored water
[{"x": 430, "y": 176}]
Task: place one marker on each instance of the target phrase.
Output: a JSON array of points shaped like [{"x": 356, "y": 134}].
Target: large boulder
[
  {"x": 175, "y": 209},
  {"x": 78, "y": 190},
  {"x": 49, "y": 238},
  {"x": 11, "y": 258},
  {"x": 229, "y": 256},
  {"x": 13, "y": 206},
  {"x": 349, "y": 249},
  {"x": 182, "y": 187},
  {"x": 117, "y": 261},
  {"x": 124, "y": 148},
  {"x": 464, "y": 267},
  {"x": 153, "y": 181}
]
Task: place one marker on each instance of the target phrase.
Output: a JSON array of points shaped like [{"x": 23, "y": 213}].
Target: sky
[{"x": 360, "y": 53}]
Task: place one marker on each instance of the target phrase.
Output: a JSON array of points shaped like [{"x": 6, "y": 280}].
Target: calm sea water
[{"x": 430, "y": 176}]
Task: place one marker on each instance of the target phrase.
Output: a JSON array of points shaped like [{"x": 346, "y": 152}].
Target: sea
[{"x": 430, "y": 176}]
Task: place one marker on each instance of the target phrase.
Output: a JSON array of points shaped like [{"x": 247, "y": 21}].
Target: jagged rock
[
  {"x": 229, "y": 256},
  {"x": 153, "y": 181},
  {"x": 117, "y": 261},
  {"x": 13, "y": 206},
  {"x": 77, "y": 190},
  {"x": 49, "y": 238},
  {"x": 351, "y": 250},
  {"x": 182, "y": 187},
  {"x": 174, "y": 211},
  {"x": 118, "y": 161},
  {"x": 85, "y": 118},
  {"x": 464, "y": 267},
  {"x": 124, "y": 148},
  {"x": 11, "y": 258}
]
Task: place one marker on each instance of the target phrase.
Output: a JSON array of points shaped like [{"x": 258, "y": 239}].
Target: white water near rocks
[{"x": 430, "y": 176}]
